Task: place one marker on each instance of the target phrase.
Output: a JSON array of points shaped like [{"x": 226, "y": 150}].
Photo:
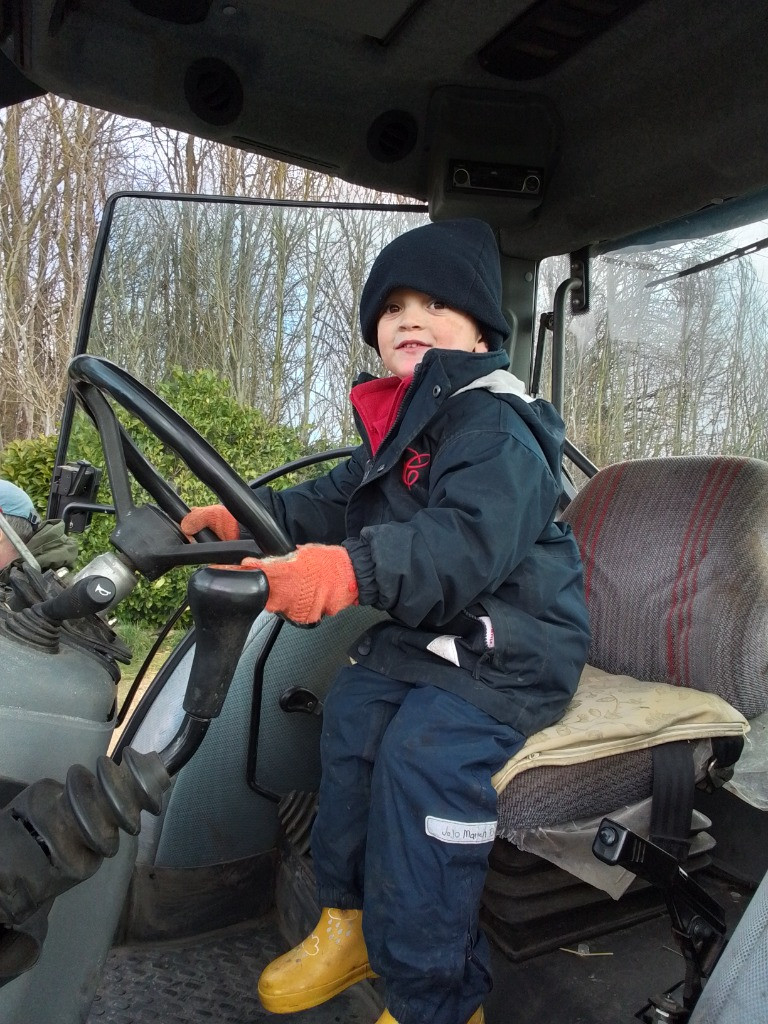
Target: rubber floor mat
[{"x": 212, "y": 981}]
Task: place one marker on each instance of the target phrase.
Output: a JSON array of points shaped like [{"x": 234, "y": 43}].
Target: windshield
[
  {"x": 672, "y": 357},
  {"x": 243, "y": 317},
  {"x": 262, "y": 295}
]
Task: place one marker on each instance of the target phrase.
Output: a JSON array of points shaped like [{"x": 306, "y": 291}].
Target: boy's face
[{"x": 413, "y": 322}]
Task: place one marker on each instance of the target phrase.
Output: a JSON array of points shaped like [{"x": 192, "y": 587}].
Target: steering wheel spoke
[{"x": 149, "y": 536}]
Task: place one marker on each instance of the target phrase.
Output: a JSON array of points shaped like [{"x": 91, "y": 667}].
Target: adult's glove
[
  {"x": 215, "y": 517},
  {"x": 312, "y": 581}
]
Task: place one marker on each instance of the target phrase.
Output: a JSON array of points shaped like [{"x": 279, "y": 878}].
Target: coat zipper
[{"x": 392, "y": 430}]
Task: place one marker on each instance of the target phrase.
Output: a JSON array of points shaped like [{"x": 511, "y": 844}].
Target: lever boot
[
  {"x": 478, "y": 1017},
  {"x": 330, "y": 959}
]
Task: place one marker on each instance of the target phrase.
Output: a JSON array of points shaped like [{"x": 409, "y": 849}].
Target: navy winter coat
[{"x": 453, "y": 519}]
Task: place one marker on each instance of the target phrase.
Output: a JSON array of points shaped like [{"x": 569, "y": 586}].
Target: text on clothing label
[{"x": 460, "y": 831}]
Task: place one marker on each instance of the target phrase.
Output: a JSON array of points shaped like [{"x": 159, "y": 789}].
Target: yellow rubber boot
[
  {"x": 478, "y": 1017},
  {"x": 330, "y": 959}
]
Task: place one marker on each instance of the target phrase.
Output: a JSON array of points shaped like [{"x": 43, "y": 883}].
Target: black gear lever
[
  {"x": 39, "y": 625},
  {"x": 51, "y": 836},
  {"x": 224, "y": 603}
]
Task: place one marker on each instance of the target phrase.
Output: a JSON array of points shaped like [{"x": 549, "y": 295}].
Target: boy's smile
[{"x": 412, "y": 322}]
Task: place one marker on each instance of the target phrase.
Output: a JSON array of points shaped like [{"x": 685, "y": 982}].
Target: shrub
[
  {"x": 240, "y": 434},
  {"x": 29, "y": 464}
]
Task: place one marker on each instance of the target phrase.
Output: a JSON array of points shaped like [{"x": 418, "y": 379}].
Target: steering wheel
[{"x": 152, "y": 542}]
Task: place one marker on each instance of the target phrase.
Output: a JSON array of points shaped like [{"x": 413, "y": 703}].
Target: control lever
[
  {"x": 54, "y": 836},
  {"x": 88, "y": 596},
  {"x": 40, "y": 624},
  {"x": 224, "y": 603}
]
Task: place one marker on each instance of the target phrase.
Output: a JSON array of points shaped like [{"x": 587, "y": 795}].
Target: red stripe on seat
[
  {"x": 725, "y": 486},
  {"x": 708, "y": 503},
  {"x": 682, "y": 567},
  {"x": 589, "y": 520},
  {"x": 580, "y": 512}
]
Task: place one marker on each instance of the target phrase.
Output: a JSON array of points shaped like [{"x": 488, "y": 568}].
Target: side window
[{"x": 672, "y": 357}]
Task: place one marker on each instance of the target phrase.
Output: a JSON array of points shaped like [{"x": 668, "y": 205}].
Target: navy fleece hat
[{"x": 456, "y": 261}]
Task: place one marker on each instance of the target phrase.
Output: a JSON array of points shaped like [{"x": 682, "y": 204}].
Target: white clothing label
[
  {"x": 460, "y": 831},
  {"x": 445, "y": 647}
]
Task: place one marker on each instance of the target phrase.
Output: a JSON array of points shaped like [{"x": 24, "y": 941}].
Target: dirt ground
[{"x": 123, "y": 689}]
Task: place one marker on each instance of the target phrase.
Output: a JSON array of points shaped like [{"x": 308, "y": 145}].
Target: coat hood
[{"x": 540, "y": 416}]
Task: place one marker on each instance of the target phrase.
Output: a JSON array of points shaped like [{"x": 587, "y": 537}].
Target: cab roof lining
[{"x": 661, "y": 113}]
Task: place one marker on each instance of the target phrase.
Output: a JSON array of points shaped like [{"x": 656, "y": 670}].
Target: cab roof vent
[
  {"x": 548, "y": 34},
  {"x": 180, "y": 12}
]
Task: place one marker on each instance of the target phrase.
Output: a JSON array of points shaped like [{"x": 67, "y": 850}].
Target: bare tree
[
  {"x": 58, "y": 162},
  {"x": 245, "y": 294},
  {"x": 666, "y": 369}
]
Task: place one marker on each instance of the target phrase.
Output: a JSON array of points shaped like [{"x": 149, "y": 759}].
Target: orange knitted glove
[
  {"x": 215, "y": 517},
  {"x": 314, "y": 580}
]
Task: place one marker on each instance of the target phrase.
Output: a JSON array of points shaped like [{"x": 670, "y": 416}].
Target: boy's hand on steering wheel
[
  {"x": 215, "y": 517},
  {"x": 312, "y": 581}
]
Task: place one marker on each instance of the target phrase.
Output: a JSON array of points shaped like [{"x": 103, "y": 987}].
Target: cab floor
[
  {"x": 214, "y": 979},
  {"x": 210, "y": 981}
]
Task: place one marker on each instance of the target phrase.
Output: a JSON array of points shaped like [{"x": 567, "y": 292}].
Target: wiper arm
[{"x": 734, "y": 254}]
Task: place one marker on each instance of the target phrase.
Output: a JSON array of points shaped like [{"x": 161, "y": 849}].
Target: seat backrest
[{"x": 675, "y": 557}]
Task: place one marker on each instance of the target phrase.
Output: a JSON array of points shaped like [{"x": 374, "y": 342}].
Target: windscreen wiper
[{"x": 734, "y": 254}]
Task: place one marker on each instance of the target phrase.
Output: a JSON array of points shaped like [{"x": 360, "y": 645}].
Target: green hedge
[{"x": 240, "y": 434}]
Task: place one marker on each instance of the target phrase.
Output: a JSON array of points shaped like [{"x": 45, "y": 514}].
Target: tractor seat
[{"x": 675, "y": 557}]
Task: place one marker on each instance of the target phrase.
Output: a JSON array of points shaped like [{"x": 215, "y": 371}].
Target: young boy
[{"x": 444, "y": 518}]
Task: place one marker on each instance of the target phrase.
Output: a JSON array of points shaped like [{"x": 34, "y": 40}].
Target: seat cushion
[
  {"x": 597, "y": 757},
  {"x": 555, "y": 794}
]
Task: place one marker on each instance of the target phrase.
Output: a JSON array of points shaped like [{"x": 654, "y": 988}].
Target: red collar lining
[{"x": 377, "y": 403}]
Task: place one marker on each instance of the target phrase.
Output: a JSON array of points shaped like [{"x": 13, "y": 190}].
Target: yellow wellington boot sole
[
  {"x": 292, "y": 1002},
  {"x": 330, "y": 959},
  {"x": 478, "y": 1017},
  {"x": 289, "y": 1003}
]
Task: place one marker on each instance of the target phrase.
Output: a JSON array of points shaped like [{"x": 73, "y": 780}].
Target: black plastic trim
[
  {"x": 258, "y": 691},
  {"x": 547, "y": 34}
]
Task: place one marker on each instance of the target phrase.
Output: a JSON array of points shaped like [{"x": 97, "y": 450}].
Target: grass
[{"x": 140, "y": 640}]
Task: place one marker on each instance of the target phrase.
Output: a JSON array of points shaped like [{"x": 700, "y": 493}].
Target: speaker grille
[
  {"x": 213, "y": 91},
  {"x": 392, "y": 136}
]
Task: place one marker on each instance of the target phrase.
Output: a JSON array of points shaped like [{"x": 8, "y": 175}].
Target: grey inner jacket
[{"x": 450, "y": 524}]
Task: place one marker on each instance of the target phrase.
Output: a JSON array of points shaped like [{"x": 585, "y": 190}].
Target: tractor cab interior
[{"x": 617, "y": 150}]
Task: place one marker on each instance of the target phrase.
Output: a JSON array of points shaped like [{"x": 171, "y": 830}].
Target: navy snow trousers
[{"x": 406, "y": 819}]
